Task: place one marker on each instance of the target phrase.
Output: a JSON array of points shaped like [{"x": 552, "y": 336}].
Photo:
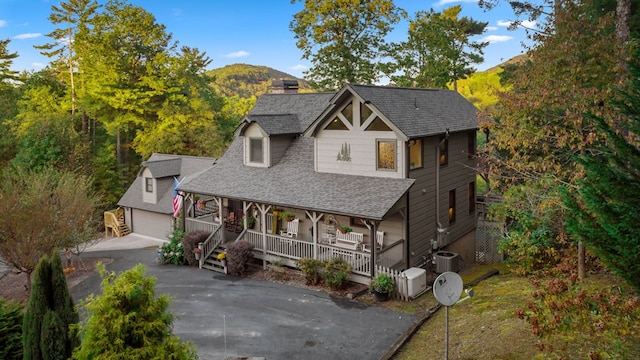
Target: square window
[
  {"x": 255, "y": 150},
  {"x": 148, "y": 185},
  {"x": 386, "y": 155},
  {"x": 415, "y": 154}
]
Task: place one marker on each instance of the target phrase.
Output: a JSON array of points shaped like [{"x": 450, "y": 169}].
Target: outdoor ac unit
[
  {"x": 416, "y": 281},
  {"x": 446, "y": 261}
]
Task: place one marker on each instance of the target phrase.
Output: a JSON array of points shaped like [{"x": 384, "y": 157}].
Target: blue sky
[{"x": 240, "y": 31}]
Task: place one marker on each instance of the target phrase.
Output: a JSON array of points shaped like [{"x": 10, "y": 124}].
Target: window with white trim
[
  {"x": 386, "y": 155},
  {"x": 256, "y": 152}
]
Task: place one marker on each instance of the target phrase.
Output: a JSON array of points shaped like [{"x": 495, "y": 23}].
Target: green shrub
[
  {"x": 191, "y": 241},
  {"x": 336, "y": 273},
  {"x": 10, "y": 330},
  {"x": 173, "y": 251},
  {"x": 239, "y": 255},
  {"x": 128, "y": 321},
  {"x": 382, "y": 284},
  {"x": 311, "y": 268}
]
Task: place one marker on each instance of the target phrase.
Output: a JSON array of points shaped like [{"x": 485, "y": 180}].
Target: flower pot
[
  {"x": 197, "y": 256},
  {"x": 380, "y": 296}
]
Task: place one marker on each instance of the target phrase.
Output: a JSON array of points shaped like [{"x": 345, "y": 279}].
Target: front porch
[{"x": 271, "y": 244}]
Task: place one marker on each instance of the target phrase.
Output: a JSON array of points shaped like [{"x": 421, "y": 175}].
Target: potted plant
[
  {"x": 345, "y": 229},
  {"x": 286, "y": 216},
  {"x": 381, "y": 286},
  {"x": 197, "y": 252}
]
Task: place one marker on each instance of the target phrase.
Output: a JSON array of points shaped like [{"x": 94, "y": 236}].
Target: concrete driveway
[{"x": 230, "y": 316}]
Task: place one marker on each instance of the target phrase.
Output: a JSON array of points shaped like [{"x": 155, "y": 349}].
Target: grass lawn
[{"x": 485, "y": 326}]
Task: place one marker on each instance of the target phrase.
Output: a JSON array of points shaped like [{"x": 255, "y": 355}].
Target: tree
[
  {"x": 540, "y": 126},
  {"x": 10, "y": 330},
  {"x": 438, "y": 51},
  {"x": 128, "y": 321},
  {"x": 343, "y": 39},
  {"x": 41, "y": 211},
  {"x": 76, "y": 14},
  {"x": 604, "y": 212},
  {"x": 49, "y": 317},
  {"x": 6, "y": 59}
]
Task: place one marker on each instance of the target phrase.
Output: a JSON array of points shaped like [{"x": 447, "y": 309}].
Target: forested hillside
[{"x": 246, "y": 80}]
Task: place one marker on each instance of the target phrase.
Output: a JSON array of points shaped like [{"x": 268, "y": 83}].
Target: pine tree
[
  {"x": 128, "y": 321},
  {"x": 605, "y": 214},
  {"x": 10, "y": 330},
  {"x": 46, "y": 326}
]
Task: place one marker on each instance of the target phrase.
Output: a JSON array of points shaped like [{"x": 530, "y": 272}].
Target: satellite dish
[{"x": 447, "y": 288}]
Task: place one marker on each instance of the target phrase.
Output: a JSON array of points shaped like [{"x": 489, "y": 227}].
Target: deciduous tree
[
  {"x": 438, "y": 51},
  {"x": 343, "y": 39},
  {"x": 604, "y": 212},
  {"x": 40, "y": 213}
]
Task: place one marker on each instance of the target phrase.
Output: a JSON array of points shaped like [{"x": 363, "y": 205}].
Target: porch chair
[{"x": 292, "y": 229}]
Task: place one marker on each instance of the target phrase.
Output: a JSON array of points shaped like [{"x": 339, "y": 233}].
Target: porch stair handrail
[
  {"x": 210, "y": 244},
  {"x": 114, "y": 220}
]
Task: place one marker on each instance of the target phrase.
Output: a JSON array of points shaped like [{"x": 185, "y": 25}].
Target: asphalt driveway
[{"x": 230, "y": 316}]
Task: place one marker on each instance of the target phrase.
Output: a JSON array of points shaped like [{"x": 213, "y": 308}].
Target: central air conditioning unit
[
  {"x": 416, "y": 281},
  {"x": 446, "y": 261}
]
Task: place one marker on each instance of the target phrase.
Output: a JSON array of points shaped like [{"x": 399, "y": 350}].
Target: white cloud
[
  {"x": 524, "y": 23},
  {"x": 3, "y": 23},
  {"x": 445, "y": 2},
  {"x": 492, "y": 28},
  {"x": 27, "y": 36},
  {"x": 37, "y": 65},
  {"x": 496, "y": 38},
  {"x": 298, "y": 67},
  {"x": 237, "y": 54}
]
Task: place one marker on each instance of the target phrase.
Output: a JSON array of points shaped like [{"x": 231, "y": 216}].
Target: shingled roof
[
  {"x": 274, "y": 124},
  {"x": 306, "y": 106},
  {"x": 294, "y": 183},
  {"x": 417, "y": 112},
  {"x": 163, "y": 167}
]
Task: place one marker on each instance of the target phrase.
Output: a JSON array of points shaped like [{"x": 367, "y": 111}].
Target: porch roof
[{"x": 294, "y": 183}]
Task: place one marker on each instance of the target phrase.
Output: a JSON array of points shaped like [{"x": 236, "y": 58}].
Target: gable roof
[
  {"x": 414, "y": 112},
  {"x": 163, "y": 168},
  {"x": 273, "y": 124},
  {"x": 297, "y": 184},
  {"x": 305, "y": 106}
]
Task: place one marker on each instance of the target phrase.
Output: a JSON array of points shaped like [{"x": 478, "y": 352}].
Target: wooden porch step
[{"x": 212, "y": 263}]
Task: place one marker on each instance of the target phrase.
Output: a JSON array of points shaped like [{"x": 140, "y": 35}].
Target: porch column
[
  {"x": 315, "y": 218},
  {"x": 263, "y": 230}
]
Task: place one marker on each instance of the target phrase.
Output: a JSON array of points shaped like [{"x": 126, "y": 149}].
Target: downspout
[{"x": 440, "y": 228}]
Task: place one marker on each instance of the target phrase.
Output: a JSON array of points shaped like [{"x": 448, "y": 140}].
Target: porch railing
[
  {"x": 392, "y": 256},
  {"x": 192, "y": 224},
  {"x": 210, "y": 244},
  {"x": 295, "y": 249}
]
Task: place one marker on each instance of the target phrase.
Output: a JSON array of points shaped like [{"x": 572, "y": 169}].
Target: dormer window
[
  {"x": 148, "y": 184},
  {"x": 256, "y": 152}
]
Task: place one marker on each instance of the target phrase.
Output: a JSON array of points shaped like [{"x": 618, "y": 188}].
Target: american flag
[{"x": 177, "y": 199}]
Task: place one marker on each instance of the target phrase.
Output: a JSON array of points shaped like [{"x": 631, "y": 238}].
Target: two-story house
[{"x": 373, "y": 174}]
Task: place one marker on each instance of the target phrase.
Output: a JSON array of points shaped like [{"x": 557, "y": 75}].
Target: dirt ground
[{"x": 13, "y": 284}]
